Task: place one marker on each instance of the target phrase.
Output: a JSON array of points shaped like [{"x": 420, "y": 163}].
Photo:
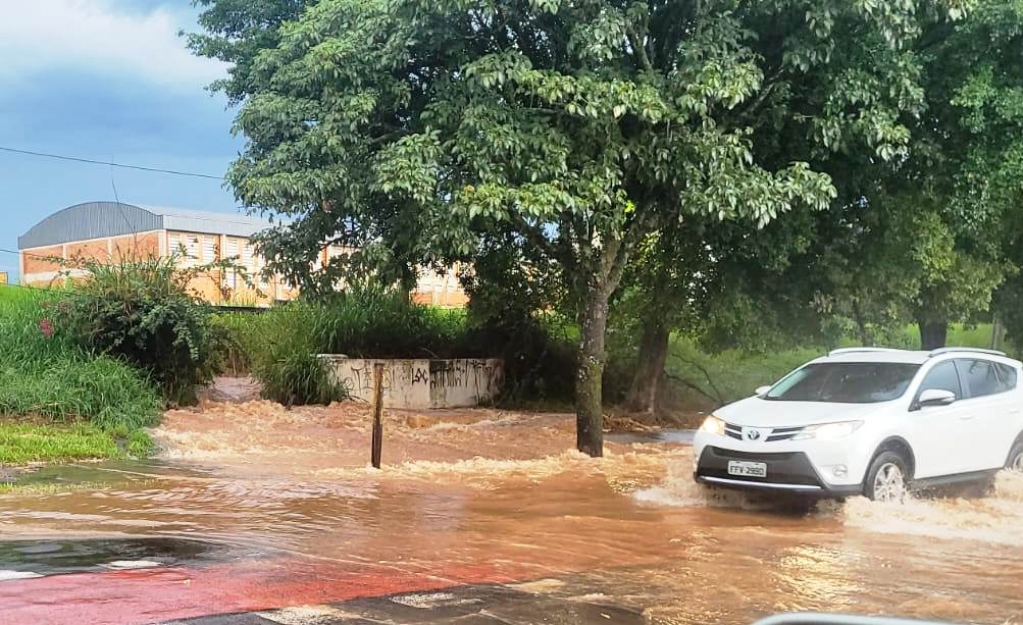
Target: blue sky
[{"x": 105, "y": 80}]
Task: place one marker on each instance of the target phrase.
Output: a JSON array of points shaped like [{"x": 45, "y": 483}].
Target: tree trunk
[
  {"x": 933, "y": 334},
  {"x": 653, "y": 351},
  {"x": 589, "y": 388},
  {"x": 861, "y": 325}
]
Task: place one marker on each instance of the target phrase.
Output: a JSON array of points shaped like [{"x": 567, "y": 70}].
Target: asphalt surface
[{"x": 466, "y": 605}]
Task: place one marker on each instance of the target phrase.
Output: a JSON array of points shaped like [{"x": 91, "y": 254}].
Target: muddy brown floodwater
[{"x": 502, "y": 490}]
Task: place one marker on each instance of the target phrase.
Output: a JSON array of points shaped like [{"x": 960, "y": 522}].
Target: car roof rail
[
  {"x": 975, "y": 350},
  {"x": 857, "y": 350}
]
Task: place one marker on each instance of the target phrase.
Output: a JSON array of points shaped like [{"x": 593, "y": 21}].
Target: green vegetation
[
  {"x": 279, "y": 346},
  {"x": 46, "y": 375},
  {"x": 140, "y": 311},
  {"x": 700, "y": 381},
  {"x": 572, "y": 134},
  {"x": 63, "y": 392},
  {"x": 21, "y": 443}
]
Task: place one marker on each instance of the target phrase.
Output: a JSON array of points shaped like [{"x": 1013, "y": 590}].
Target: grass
[
  {"x": 279, "y": 346},
  {"x": 58, "y": 401},
  {"x": 21, "y": 443}
]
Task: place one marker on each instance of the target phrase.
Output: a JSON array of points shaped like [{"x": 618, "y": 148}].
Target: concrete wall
[{"x": 422, "y": 383}]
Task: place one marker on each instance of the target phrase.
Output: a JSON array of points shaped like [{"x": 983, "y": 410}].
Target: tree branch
[
  {"x": 686, "y": 383},
  {"x": 638, "y": 49},
  {"x": 534, "y": 235},
  {"x": 634, "y": 233},
  {"x": 706, "y": 374}
]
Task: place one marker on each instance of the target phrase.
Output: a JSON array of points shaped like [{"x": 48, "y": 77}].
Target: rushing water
[{"x": 630, "y": 530}]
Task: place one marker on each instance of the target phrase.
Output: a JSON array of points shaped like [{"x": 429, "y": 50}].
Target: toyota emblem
[{"x": 752, "y": 434}]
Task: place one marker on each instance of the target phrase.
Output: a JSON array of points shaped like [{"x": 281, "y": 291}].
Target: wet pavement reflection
[{"x": 630, "y": 531}]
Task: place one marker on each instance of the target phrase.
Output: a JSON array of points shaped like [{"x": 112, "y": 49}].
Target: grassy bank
[
  {"x": 21, "y": 443},
  {"x": 59, "y": 402}
]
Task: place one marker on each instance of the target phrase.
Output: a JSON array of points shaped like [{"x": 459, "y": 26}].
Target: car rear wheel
[
  {"x": 1015, "y": 461},
  {"x": 888, "y": 478}
]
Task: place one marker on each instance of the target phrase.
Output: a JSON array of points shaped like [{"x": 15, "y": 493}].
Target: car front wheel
[
  {"x": 888, "y": 478},
  {"x": 1015, "y": 461}
]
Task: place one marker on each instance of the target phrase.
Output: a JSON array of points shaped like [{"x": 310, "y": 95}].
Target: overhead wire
[{"x": 90, "y": 161}]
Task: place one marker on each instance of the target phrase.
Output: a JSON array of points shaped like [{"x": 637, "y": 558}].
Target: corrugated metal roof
[{"x": 94, "y": 220}]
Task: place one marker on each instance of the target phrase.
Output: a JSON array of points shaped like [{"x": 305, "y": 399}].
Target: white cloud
[{"x": 98, "y": 36}]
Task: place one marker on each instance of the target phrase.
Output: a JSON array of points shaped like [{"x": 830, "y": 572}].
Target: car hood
[{"x": 757, "y": 412}]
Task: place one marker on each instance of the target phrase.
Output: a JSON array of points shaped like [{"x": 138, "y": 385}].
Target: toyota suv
[{"x": 870, "y": 421}]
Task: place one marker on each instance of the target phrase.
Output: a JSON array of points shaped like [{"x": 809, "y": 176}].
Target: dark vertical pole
[{"x": 378, "y": 408}]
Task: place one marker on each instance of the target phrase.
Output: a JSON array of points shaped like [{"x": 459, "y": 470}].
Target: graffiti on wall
[{"x": 423, "y": 383}]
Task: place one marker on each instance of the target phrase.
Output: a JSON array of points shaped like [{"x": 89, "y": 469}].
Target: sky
[{"x": 108, "y": 80}]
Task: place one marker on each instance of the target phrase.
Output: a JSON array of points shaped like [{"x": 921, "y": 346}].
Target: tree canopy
[{"x": 418, "y": 131}]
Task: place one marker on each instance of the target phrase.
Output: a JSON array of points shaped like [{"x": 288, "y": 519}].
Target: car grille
[
  {"x": 782, "y": 468},
  {"x": 777, "y": 434}
]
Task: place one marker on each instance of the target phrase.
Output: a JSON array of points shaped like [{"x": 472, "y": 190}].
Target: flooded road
[{"x": 242, "y": 525}]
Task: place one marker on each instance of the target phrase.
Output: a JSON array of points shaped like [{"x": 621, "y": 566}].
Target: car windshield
[{"x": 845, "y": 382}]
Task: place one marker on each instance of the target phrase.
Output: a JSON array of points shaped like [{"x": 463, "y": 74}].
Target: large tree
[
  {"x": 235, "y": 31},
  {"x": 420, "y": 130},
  {"x": 928, "y": 237}
]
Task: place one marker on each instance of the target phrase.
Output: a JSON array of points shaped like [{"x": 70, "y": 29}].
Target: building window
[
  {"x": 188, "y": 246},
  {"x": 209, "y": 249}
]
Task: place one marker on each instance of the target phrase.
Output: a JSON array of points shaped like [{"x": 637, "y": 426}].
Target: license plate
[{"x": 747, "y": 469}]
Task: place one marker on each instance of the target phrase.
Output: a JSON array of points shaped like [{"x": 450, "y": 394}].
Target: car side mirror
[
  {"x": 761, "y": 390},
  {"x": 936, "y": 397}
]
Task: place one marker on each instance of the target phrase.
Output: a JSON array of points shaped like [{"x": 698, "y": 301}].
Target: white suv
[{"x": 872, "y": 422}]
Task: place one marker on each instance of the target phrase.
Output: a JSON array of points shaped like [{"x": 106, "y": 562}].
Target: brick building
[{"x": 110, "y": 231}]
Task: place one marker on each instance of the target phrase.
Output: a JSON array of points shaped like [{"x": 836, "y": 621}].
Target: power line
[
  {"x": 2, "y": 250},
  {"x": 76, "y": 159}
]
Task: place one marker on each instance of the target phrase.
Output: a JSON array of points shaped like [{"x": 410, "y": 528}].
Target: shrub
[
  {"x": 277, "y": 346},
  {"x": 297, "y": 377},
  {"x": 46, "y": 374},
  {"x": 141, "y": 311}
]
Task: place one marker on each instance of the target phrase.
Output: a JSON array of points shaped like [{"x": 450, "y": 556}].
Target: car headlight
[
  {"x": 828, "y": 431},
  {"x": 713, "y": 425}
]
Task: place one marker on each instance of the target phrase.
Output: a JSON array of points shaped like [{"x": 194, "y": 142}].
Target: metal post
[{"x": 378, "y": 408}]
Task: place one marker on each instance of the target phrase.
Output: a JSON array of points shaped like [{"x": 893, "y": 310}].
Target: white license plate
[{"x": 747, "y": 469}]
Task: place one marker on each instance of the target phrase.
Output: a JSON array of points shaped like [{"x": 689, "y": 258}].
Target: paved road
[
  {"x": 167, "y": 580},
  {"x": 465, "y": 605}
]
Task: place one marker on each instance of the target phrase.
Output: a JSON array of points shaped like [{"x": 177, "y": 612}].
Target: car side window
[
  {"x": 981, "y": 377},
  {"x": 943, "y": 377},
  {"x": 1007, "y": 376}
]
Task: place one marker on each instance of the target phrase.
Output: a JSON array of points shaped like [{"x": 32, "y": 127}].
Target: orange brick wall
[
  {"x": 433, "y": 289},
  {"x": 140, "y": 246},
  {"x": 37, "y": 270},
  {"x": 35, "y": 259},
  {"x": 92, "y": 250}
]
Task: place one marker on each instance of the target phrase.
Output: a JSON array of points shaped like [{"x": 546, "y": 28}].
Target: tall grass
[
  {"x": 278, "y": 346},
  {"x": 45, "y": 375}
]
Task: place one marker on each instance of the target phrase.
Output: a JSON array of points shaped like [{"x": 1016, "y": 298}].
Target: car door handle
[{"x": 968, "y": 417}]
